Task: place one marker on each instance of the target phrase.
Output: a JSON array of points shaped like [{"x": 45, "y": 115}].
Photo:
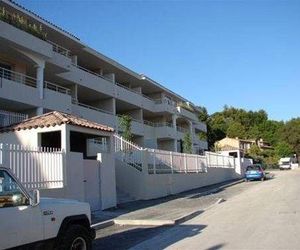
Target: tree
[
  {"x": 125, "y": 124},
  {"x": 290, "y": 133},
  {"x": 236, "y": 129},
  {"x": 187, "y": 144},
  {"x": 255, "y": 153},
  {"x": 203, "y": 114},
  {"x": 202, "y": 136},
  {"x": 283, "y": 149}
]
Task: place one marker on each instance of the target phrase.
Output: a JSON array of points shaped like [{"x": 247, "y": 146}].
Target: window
[
  {"x": 51, "y": 139},
  {"x": 10, "y": 193}
]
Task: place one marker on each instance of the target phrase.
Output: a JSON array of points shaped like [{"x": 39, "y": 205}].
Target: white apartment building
[{"x": 44, "y": 68}]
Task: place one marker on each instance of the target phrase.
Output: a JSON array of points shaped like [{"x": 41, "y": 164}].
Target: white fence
[
  {"x": 160, "y": 161},
  {"x": 164, "y": 162},
  {"x": 215, "y": 160},
  {"x": 39, "y": 167},
  {"x": 128, "y": 152}
]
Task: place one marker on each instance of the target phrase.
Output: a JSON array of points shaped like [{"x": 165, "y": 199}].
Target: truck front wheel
[{"x": 76, "y": 237}]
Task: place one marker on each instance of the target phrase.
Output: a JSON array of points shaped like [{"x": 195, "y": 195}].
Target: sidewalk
[{"x": 168, "y": 210}]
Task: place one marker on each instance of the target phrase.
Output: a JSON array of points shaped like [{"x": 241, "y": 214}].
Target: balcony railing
[
  {"x": 17, "y": 77},
  {"x": 59, "y": 49},
  {"x": 165, "y": 101},
  {"x": 74, "y": 101},
  {"x": 8, "y": 118},
  {"x": 57, "y": 88},
  {"x": 134, "y": 91},
  {"x": 91, "y": 72},
  {"x": 182, "y": 130}
]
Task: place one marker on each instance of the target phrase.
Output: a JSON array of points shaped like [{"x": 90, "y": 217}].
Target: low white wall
[
  {"x": 74, "y": 177},
  {"x": 129, "y": 180},
  {"x": 166, "y": 184},
  {"x": 141, "y": 185},
  {"x": 107, "y": 180},
  {"x": 82, "y": 184}
]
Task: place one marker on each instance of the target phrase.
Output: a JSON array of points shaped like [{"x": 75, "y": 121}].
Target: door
[
  {"x": 20, "y": 222},
  {"x": 92, "y": 191}
]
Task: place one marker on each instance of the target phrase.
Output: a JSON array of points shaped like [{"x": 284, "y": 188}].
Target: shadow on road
[
  {"x": 132, "y": 237},
  {"x": 216, "y": 247},
  {"x": 133, "y": 206}
]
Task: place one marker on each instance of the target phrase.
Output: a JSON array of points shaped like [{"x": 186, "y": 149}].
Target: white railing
[
  {"x": 97, "y": 145},
  {"x": 91, "y": 72},
  {"x": 134, "y": 91},
  {"x": 59, "y": 49},
  {"x": 8, "y": 118},
  {"x": 57, "y": 88},
  {"x": 74, "y": 101},
  {"x": 17, "y": 77},
  {"x": 163, "y": 162},
  {"x": 38, "y": 167},
  {"x": 156, "y": 161},
  {"x": 128, "y": 152},
  {"x": 215, "y": 160},
  {"x": 165, "y": 101}
]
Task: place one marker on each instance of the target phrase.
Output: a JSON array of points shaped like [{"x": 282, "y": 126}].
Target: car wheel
[{"x": 76, "y": 237}]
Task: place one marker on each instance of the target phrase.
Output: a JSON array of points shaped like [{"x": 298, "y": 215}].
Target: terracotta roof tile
[{"x": 52, "y": 119}]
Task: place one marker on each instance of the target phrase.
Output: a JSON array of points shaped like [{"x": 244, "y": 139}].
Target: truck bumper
[{"x": 92, "y": 233}]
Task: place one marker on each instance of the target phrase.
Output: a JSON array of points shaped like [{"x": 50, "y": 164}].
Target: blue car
[{"x": 255, "y": 172}]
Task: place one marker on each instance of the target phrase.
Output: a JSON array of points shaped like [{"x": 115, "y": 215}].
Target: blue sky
[{"x": 240, "y": 53}]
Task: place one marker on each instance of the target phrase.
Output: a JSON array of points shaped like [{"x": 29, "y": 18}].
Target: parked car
[
  {"x": 28, "y": 221},
  {"x": 255, "y": 172}
]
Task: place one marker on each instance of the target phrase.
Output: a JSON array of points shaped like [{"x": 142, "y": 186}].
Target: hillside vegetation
[{"x": 235, "y": 122}]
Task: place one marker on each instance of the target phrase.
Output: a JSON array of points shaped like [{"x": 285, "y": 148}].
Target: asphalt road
[
  {"x": 124, "y": 237},
  {"x": 265, "y": 216}
]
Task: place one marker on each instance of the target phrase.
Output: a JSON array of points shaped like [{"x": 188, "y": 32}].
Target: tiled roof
[{"x": 52, "y": 119}]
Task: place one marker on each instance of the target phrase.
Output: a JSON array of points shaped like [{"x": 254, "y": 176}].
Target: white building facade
[{"x": 44, "y": 68}]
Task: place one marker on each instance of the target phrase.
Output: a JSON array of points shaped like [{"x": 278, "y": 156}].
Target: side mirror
[{"x": 35, "y": 198}]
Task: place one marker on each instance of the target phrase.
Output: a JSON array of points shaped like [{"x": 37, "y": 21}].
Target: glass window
[{"x": 10, "y": 193}]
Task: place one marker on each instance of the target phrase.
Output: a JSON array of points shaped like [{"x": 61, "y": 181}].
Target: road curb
[
  {"x": 103, "y": 224},
  {"x": 124, "y": 222},
  {"x": 179, "y": 220}
]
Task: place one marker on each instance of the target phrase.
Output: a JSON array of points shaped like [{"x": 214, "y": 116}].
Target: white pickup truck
[{"x": 26, "y": 221}]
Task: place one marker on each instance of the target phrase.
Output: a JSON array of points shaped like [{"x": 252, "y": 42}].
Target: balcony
[
  {"x": 201, "y": 144},
  {"x": 186, "y": 113},
  {"x": 25, "y": 40},
  {"x": 89, "y": 79},
  {"x": 18, "y": 87},
  {"x": 200, "y": 126},
  {"x": 61, "y": 56},
  {"x": 164, "y": 105},
  {"x": 137, "y": 126},
  {"x": 131, "y": 96},
  {"x": 93, "y": 114},
  {"x": 8, "y": 118},
  {"x": 57, "y": 97}
]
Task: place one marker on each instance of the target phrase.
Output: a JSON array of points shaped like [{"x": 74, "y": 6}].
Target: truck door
[{"x": 20, "y": 222}]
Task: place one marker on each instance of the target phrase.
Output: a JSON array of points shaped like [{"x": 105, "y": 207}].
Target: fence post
[
  {"x": 145, "y": 159},
  {"x": 171, "y": 161},
  {"x": 154, "y": 163},
  {"x": 185, "y": 165}
]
